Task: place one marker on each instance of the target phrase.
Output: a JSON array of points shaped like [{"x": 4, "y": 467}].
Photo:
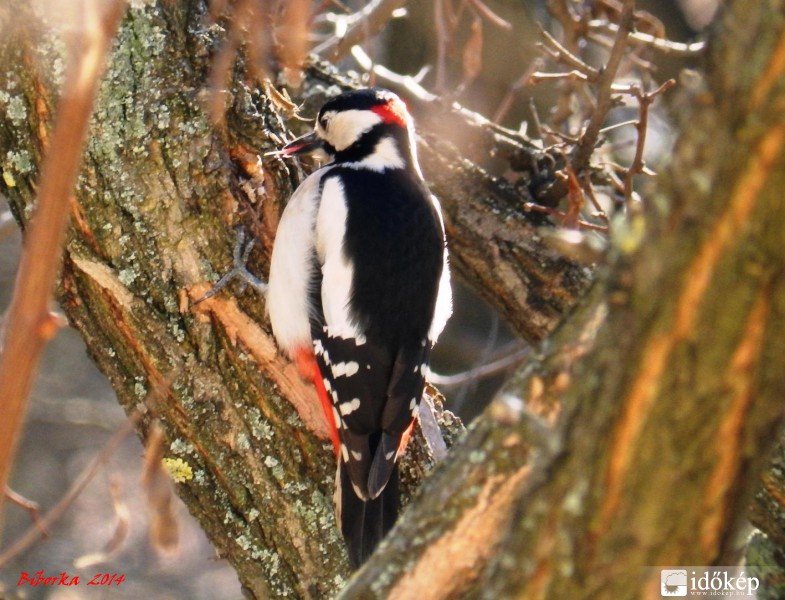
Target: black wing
[{"x": 375, "y": 397}]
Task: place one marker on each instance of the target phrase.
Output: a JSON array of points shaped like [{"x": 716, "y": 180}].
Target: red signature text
[{"x": 40, "y": 578}]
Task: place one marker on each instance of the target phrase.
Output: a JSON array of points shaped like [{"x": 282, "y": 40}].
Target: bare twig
[
  {"x": 656, "y": 43},
  {"x": 573, "y": 75},
  {"x": 395, "y": 81},
  {"x": 575, "y": 199},
  {"x": 563, "y": 215},
  {"x": 163, "y": 527},
  {"x": 515, "y": 89},
  {"x": 33, "y": 509},
  {"x": 510, "y": 359},
  {"x": 583, "y": 151},
  {"x": 353, "y": 29},
  {"x": 29, "y": 319},
  {"x": 34, "y": 534},
  {"x": 444, "y": 22},
  {"x": 572, "y": 28},
  {"x": 561, "y": 54},
  {"x": 645, "y": 100},
  {"x": 472, "y": 53},
  {"x": 122, "y": 526},
  {"x": 486, "y": 13},
  {"x": 588, "y": 188}
]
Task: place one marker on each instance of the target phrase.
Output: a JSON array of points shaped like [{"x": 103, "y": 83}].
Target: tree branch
[
  {"x": 353, "y": 29},
  {"x": 583, "y": 151},
  {"x": 29, "y": 324}
]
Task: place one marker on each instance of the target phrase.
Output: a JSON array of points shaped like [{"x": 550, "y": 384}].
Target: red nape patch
[{"x": 393, "y": 112}]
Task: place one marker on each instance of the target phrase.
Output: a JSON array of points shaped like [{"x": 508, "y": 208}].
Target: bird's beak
[{"x": 310, "y": 142}]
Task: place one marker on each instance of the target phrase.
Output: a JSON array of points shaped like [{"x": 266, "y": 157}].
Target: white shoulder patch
[{"x": 337, "y": 270}]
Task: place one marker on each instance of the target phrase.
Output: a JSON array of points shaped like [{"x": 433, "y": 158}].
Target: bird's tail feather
[{"x": 365, "y": 522}]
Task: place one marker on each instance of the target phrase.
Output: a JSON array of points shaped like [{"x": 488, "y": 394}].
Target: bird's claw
[{"x": 242, "y": 250}]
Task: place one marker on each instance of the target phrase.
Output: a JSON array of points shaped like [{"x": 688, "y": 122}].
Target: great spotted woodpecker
[{"x": 358, "y": 293}]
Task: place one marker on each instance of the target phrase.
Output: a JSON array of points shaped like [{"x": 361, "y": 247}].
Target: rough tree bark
[{"x": 657, "y": 383}]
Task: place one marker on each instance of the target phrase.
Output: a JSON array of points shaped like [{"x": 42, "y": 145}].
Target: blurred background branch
[{"x": 29, "y": 323}]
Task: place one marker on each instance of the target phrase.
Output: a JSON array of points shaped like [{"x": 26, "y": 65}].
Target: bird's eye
[{"x": 323, "y": 121}]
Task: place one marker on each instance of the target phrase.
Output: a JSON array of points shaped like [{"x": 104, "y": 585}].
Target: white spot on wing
[
  {"x": 357, "y": 455},
  {"x": 358, "y": 491},
  {"x": 390, "y": 455},
  {"x": 345, "y": 369},
  {"x": 348, "y": 408},
  {"x": 345, "y": 454}
]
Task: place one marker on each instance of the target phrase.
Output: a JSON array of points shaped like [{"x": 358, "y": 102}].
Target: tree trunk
[{"x": 657, "y": 383}]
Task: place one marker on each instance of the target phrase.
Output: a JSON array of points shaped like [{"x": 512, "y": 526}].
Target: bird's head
[{"x": 363, "y": 125}]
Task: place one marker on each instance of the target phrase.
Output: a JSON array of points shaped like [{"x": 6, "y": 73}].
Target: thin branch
[
  {"x": 588, "y": 188},
  {"x": 391, "y": 79},
  {"x": 485, "y": 12},
  {"x": 442, "y": 12},
  {"x": 515, "y": 89},
  {"x": 32, "y": 508},
  {"x": 656, "y": 43},
  {"x": 616, "y": 126},
  {"x": 34, "y": 533},
  {"x": 562, "y": 215},
  {"x": 561, "y": 54},
  {"x": 29, "y": 322},
  {"x": 583, "y": 151},
  {"x": 573, "y": 75},
  {"x": 489, "y": 369},
  {"x": 358, "y": 27},
  {"x": 638, "y": 165}
]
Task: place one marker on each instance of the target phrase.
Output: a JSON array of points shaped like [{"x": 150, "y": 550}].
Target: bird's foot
[{"x": 242, "y": 250}]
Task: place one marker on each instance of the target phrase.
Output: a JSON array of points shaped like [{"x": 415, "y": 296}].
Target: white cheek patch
[{"x": 347, "y": 126}]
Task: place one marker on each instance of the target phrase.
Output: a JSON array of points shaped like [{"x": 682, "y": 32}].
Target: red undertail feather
[{"x": 306, "y": 364}]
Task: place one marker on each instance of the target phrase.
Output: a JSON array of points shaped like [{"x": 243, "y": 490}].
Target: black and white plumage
[{"x": 359, "y": 283}]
